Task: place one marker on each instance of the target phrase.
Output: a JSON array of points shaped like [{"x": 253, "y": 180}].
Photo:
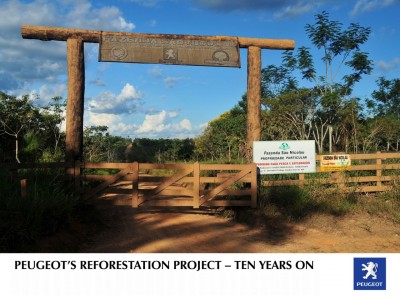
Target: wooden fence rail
[
  {"x": 196, "y": 185},
  {"x": 376, "y": 172},
  {"x": 199, "y": 185}
]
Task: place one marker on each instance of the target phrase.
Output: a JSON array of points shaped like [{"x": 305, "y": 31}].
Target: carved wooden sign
[{"x": 168, "y": 49}]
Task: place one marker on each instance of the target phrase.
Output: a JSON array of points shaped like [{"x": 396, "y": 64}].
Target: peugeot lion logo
[
  {"x": 371, "y": 269},
  {"x": 370, "y": 273}
]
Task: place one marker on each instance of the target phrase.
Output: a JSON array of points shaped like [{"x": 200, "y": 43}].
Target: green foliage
[
  {"x": 387, "y": 97},
  {"x": 335, "y": 42},
  {"x": 161, "y": 150},
  {"x": 100, "y": 145},
  {"x": 325, "y": 110},
  {"x": 28, "y": 131},
  {"x": 224, "y": 137}
]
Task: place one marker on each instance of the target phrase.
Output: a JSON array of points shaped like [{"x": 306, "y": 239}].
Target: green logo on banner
[{"x": 284, "y": 146}]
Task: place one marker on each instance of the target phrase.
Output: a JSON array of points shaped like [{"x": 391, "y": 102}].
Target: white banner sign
[
  {"x": 282, "y": 157},
  {"x": 176, "y": 276}
]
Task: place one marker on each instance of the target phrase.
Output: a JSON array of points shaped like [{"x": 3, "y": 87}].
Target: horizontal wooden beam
[{"x": 46, "y": 33}]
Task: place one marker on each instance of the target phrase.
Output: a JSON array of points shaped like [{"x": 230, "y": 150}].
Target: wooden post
[
  {"x": 24, "y": 192},
  {"x": 301, "y": 179},
  {"x": 135, "y": 185},
  {"x": 76, "y": 91},
  {"x": 254, "y": 186},
  {"x": 379, "y": 170},
  {"x": 253, "y": 99},
  {"x": 77, "y": 177},
  {"x": 74, "y": 118},
  {"x": 196, "y": 184}
]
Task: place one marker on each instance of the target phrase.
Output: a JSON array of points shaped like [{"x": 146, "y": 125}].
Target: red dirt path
[{"x": 201, "y": 231}]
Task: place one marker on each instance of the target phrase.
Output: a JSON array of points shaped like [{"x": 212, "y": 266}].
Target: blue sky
[{"x": 146, "y": 100}]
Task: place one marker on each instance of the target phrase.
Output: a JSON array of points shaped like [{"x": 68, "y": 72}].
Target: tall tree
[{"x": 344, "y": 65}]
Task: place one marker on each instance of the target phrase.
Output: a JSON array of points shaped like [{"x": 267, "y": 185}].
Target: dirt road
[{"x": 195, "y": 231}]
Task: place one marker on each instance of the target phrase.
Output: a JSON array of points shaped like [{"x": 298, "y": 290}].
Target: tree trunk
[{"x": 17, "y": 149}]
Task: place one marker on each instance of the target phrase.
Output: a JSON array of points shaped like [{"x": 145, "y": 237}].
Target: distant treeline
[{"x": 160, "y": 150}]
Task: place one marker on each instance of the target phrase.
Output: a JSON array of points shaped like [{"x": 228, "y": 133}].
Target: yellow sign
[{"x": 335, "y": 162}]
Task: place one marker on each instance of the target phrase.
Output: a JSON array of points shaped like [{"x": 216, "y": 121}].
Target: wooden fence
[
  {"x": 199, "y": 185},
  {"x": 196, "y": 185},
  {"x": 368, "y": 173}
]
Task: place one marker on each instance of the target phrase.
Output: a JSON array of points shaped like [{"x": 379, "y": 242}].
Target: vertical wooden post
[
  {"x": 378, "y": 170},
  {"x": 77, "y": 177},
  {"x": 196, "y": 185},
  {"x": 24, "y": 191},
  {"x": 135, "y": 185},
  {"x": 254, "y": 186},
  {"x": 301, "y": 179},
  {"x": 76, "y": 91},
  {"x": 253, "y": 99}
]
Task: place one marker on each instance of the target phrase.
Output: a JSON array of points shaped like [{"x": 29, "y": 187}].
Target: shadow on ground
[{"x": 179, "y": 230}]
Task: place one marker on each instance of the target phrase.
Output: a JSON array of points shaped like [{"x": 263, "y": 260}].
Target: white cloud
[
  {"x": 98, "y": 82},
  {"x": 102, "y": 119},
  {"x": 152, "y": 23},
  {"x": 368, "y": 5},
  {"x": 129, "y": 92},
  {"x": 156, "y": 72},
  {"x": 45, "y": 93},
  {"x": 170, "y": 82},
  {"x": 160, "y": 124},
  {"x": 147, "y": 3},
  {"x": 115, "y": 123},
  {"x": 172, "y": 114},
  {"x": 185, "y": 124},
  {"x": 127, "y": 101},
  {"x": 388, "y": 66},
  {"x": 30, "y": 61},
  {"x": 154, "y": 123},
  {"x": 83, "y": 15},
  {"x": 295, "y": 10}
]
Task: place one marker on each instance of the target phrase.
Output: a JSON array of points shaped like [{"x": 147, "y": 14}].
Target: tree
[
  {"x": 53, "y": 116},
  {"x": 94, "y": 143},
  {"x": 289, "y": 114},
  {"x": 225, "y": 136},
  {"x": 387, "y": 97},
  {"x": 341, "y": 49},
  {"x": 17, "y": 117},
  {"x": 161, "y": 150}
]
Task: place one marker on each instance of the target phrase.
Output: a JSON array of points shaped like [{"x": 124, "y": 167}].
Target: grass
[
  {"x": 48, "y": 208},
  {"x": 296, "y": 203},
  {"x": 385, "y": 204}
]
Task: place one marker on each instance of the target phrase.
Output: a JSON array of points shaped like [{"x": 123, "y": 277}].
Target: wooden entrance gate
[{"x": 195, "y": 185}]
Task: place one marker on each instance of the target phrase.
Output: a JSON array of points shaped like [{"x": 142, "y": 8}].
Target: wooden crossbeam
[
  {"x": 46, "y": 33},
  {"x": 107, "y": 182},
  {"x": 214, "y": 192}
]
